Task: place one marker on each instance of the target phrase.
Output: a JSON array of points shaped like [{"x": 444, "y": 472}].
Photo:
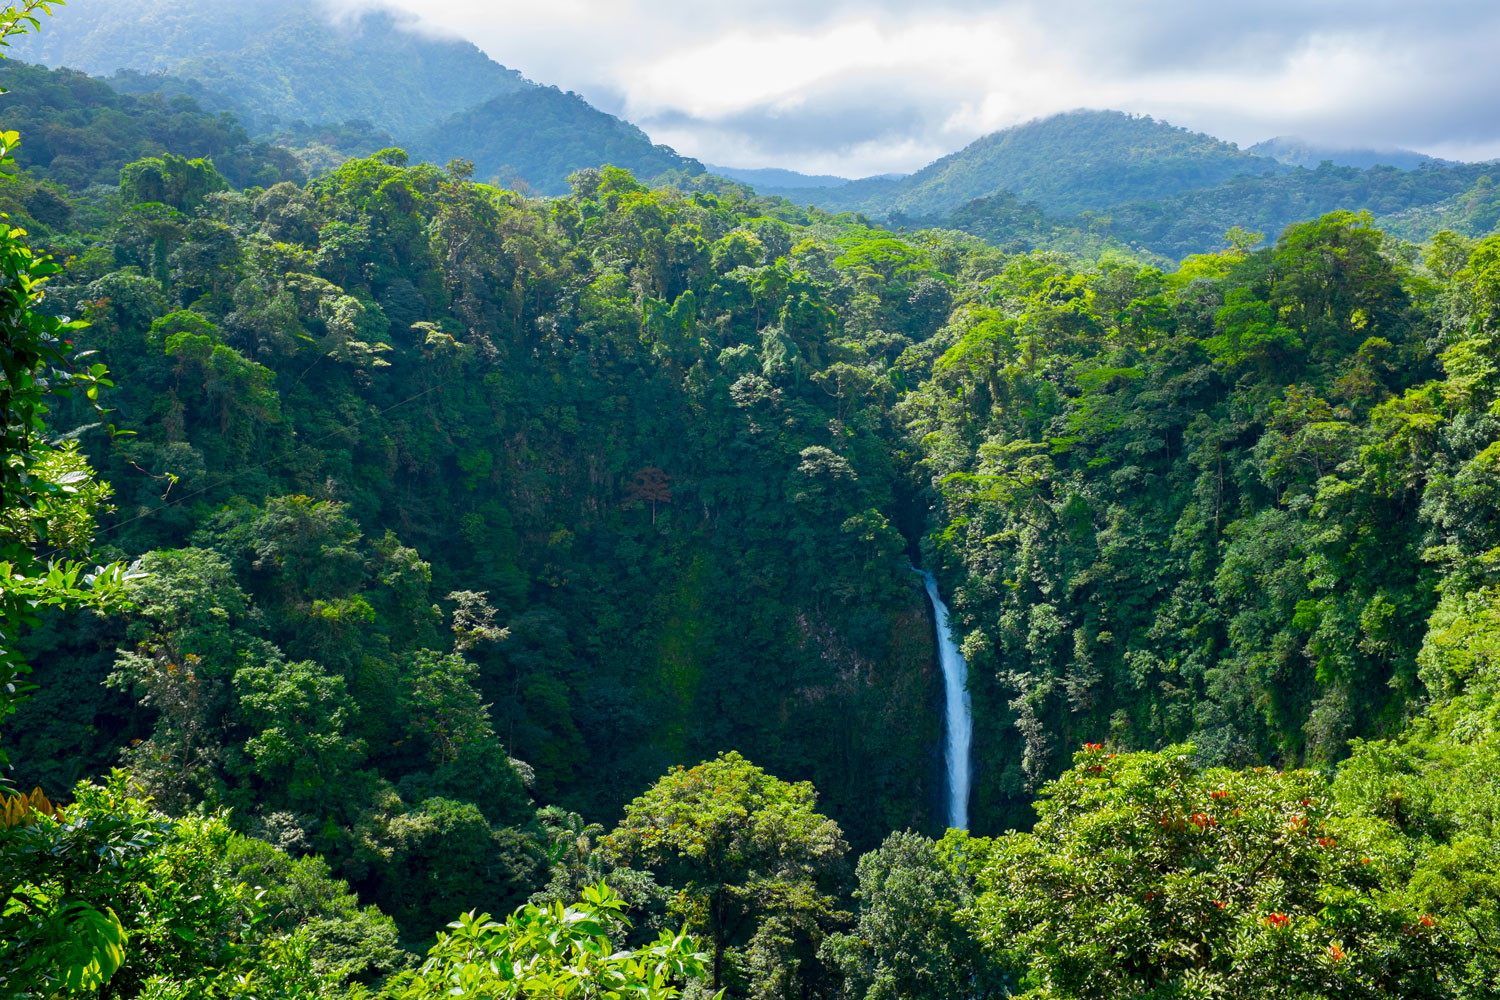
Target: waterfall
[{"x": 959, "y": 718}]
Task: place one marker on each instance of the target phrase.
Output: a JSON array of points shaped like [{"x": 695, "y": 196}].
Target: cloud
[{"x": 876, "y": 86}]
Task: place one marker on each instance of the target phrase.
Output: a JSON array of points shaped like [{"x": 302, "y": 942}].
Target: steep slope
[
  {"x": 79, "y": 131},
  {"x": 286, "y": 60},
  {"x": 541, "y": 135}
]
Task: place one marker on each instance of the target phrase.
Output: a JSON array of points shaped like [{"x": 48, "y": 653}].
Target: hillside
[
  {"x": 1067, "y": 163},
  {"x": 285, "y": 60},
  {"x": 1413, "y": 203},
  {"x": 541, "y": 135},
  {"x": 79, "y": 131}
]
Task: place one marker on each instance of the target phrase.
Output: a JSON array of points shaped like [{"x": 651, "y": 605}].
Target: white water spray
[{"x": 959, "y": 714}]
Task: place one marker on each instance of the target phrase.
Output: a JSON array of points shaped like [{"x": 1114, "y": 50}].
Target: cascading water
[{"x": 958, "y": 712}]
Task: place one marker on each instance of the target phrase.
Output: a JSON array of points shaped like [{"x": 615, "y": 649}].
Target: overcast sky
[{"x": 877, "y": 86}]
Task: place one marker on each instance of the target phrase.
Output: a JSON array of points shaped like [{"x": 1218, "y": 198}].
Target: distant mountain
[
  {"x": 1068, "y": 163},
  {"x": 541, "y": 135},
  {"x": 1297, "y": 152},
  {"x": 1474, "y": 211},
  {"x": 1413, "y": 204},
  {"x": 283, "y": 60},
  {"x": 766, "y": 179}
]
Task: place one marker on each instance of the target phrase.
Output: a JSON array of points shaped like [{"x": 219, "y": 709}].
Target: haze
[{"x": 857, "y": 89}]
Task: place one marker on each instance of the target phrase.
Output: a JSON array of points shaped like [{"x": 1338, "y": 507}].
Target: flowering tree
[{"x": 1148, "y": 877}]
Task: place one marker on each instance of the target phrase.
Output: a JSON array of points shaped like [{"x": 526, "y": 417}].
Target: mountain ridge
[{"x": 280, "y": 58}]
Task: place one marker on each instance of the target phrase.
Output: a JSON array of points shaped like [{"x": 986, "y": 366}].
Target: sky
[{"x": 880, "y": 86}]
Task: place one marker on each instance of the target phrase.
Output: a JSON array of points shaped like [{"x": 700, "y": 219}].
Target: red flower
[
  {"x": 1201, "y": 821},
  {"x": 1219, "y": 794},
  {"x": 1325, "y": 841},
  {"x": 1093, "y": 746},
  {"x": 1278, "y": 921},
  {"x": 1427, "y": 920}
]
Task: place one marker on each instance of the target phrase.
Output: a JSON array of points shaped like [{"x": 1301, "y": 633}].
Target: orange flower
[
  {"x": 1427, "y": 920},
  {"x": 1219, "y": 794},
  {"x": 1335, "y": 952},
  {"x": 1278, "y": 921},
  {"x": 1093, "y": 746},
  {"x": 1219, "y": 904},
  {"x": 1325, "y": 841}
]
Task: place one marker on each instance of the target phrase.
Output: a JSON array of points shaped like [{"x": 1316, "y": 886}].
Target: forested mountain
[
  {"x": 80, "y": 131},
  {"x": 1087, "y": 181},
  {"x": 281, "y": 60},
  {"x": 1066, "y": 164},
  {"x": 538, "y": 136},
  {"x": 541, "y": 568}
]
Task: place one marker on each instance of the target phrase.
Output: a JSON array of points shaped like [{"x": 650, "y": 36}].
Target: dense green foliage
[
  {"x": 465, "y": 524},
  {"x": 79, "y": 131},
  {"x": 746, "y": 860},
  {"x": 554, "y": 951}
]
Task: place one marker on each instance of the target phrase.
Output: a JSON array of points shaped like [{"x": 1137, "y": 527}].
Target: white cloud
[{"x": 880, "y": 86}]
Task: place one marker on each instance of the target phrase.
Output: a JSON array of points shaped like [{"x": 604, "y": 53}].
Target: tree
[
  {"x": 910, "y": 940},
  {"x": 570, "y": 953},
  {"x": 1148, "y": 877},
  {"x": 48, "y": 494},
  {"x": 754, "y": 867},
  {"x": 174, "y": 181},
  {"x": 108, "y": 893},
  {"x": 650, "y": 485},
  {"x": 440, "y": 857}
]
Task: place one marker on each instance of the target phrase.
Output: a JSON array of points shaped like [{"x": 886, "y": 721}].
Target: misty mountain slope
[
  {"x": 772, "y": 180},
  {"x": 541, "y": 135},
  {"x": 285, "y": 60},
  {"x": 1295, "y": 151}
]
